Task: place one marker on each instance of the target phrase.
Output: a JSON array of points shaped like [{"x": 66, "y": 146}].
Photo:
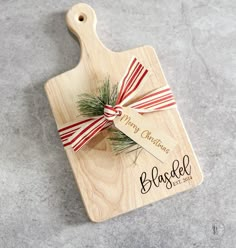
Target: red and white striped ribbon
[{"x": 77, "y": 134}]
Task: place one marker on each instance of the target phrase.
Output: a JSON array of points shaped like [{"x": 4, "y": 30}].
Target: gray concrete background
[{"x": 40, "y": 205}]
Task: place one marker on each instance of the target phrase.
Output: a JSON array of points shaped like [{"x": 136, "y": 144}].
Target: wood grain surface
[{"x": 110, "y": 184}]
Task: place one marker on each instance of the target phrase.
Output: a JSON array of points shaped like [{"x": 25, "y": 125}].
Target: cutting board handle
[{"x": 81, "y": 20}]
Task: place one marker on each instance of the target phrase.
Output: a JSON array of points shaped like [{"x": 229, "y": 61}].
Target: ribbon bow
[{"x": 77, "y": 134}]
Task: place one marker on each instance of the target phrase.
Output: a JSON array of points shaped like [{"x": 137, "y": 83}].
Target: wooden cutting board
[{"x": 113, "y": 184}]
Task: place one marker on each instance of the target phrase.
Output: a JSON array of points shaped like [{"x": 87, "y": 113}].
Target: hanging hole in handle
[{"x": 82, "y": 18}]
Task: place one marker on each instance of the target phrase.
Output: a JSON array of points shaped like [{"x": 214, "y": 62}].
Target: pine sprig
[
  {"x": 91, "y": 105},
  {"x": 120, "y": 141}
]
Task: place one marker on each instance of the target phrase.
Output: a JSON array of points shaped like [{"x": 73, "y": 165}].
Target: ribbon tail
[
  {"x": 130, "y": 82},
  {"x": 160, "y": 99},
  {"x": 70, "y": 128},
  {"x": 87, "y": 132}
]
